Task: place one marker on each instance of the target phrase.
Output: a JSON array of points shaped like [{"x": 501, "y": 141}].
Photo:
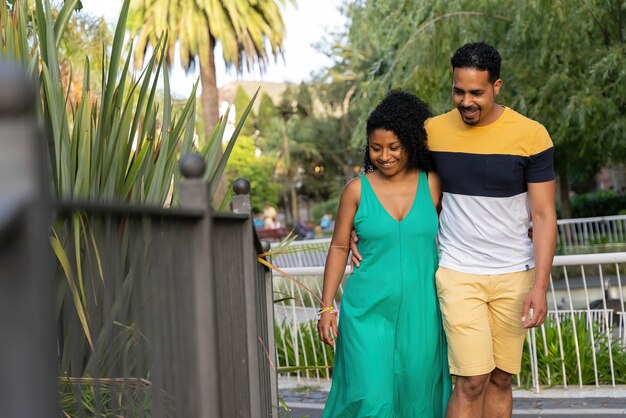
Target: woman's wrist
[{"x": 327, "y": 309}]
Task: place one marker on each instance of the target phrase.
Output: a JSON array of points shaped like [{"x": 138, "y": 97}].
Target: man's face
[{"x": 474, "y": 96}]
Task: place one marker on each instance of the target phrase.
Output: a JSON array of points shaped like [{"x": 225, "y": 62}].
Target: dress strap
[{"x": 366, "y": 192}]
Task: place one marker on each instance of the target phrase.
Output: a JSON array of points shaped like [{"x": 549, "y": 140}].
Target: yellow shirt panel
[{"x": 511, "y": 134}]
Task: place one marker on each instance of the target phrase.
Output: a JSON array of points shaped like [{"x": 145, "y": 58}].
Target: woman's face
[{"x": 386, "y": 152}]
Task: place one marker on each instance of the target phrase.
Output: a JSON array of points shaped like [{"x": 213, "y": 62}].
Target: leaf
[
  {"x": 61, "y": 255},
  {"x": 219, "y": 170},
  {"x": 63, "y": 18},
  {"x": 116, "y": 52},
  {"x": 283, "y": 299}
]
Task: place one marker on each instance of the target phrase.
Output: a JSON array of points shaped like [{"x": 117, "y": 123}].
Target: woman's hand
[
  {"x": 327, "y": 327},
  {"x": 356, "y": 255}
]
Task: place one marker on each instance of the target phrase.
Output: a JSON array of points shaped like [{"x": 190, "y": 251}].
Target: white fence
[
  {"x": 587, "y": 232},
  {"x": 574, "y": 235},
  {"x": 581, "y": 343}
]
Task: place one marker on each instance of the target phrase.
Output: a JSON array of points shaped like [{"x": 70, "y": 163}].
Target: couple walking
[{"x": 413, "y": 314}]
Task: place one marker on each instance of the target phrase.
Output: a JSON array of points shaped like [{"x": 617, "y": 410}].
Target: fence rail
[
  {"x": 587, "y": 232},
  {"x": 574, "y": 235},
  {"x": 155, "y": 309},
  {"x": 160, "y": 312},
  {"x": 581, "y": 343}
]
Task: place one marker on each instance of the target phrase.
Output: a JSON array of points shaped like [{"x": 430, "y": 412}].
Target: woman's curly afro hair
[{"x": 403, "y": 114}]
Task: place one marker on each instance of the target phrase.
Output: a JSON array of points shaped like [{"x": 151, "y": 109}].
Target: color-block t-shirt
[{"x": 484, "y": 174}]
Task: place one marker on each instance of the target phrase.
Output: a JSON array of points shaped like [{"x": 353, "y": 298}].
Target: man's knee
[
  {"x": 500, "y": 379},
  {"x": 472, "y": 387}
]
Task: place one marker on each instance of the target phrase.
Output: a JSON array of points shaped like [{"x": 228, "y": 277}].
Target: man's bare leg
[
  {"x": 498, "y": 400},
  {"x": 467, "y": 398}
]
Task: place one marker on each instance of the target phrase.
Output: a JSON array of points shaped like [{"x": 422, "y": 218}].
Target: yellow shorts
[{"x": 482, "y": 318}]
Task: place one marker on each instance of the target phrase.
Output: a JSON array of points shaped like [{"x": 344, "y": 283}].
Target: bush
[
  {"x": 329, "y": 206},
  {"x": 598, "y": 203}
]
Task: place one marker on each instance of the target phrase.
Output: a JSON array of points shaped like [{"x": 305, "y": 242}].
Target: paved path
[{"x": 306, "y": 399}]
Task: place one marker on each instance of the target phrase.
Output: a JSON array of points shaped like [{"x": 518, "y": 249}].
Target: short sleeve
[
  {"x": 541, "y": 163},
  {"x": 542, "y": 140}
]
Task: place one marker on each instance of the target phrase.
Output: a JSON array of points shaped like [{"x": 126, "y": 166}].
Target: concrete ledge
[
  {"x": 553, "y": 392},
  {"x": 575, "y": 392}
]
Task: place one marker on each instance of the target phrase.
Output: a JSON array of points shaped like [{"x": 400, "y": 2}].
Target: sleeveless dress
[{"x": 391, "y": 354}]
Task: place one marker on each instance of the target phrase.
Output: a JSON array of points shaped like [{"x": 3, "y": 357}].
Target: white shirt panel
[{"x": 485, "y": 235}]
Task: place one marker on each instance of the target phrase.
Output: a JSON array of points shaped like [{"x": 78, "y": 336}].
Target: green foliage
[
  {"x": 310, "y": 137},
  {"x": 241, "y": 101},
  {"x": 244, "y": 162},
  {"x": 242, "y": 28},
  {"x": 578, "y": 93},
  {"x": 119, "y": 150},
  {"x": 598, "y": 203},
  {"x": 329, "y": 206},
  {"x": 246, "y": 30},
  {"x": 304, "y": 101},
  {"x": 85, "y": 36},
  {"x": 104, "y": 397},
  {"x": 123, "y": 147},
  {"x": 554, "y": 361},
  {"x": 266, "y": 113}
]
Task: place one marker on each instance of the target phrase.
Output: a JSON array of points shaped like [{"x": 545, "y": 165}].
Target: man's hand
[
  {"x": 535, "y": 300},
  {"x": 327, "y": 328},
  {"x": 356, "y": 255}
]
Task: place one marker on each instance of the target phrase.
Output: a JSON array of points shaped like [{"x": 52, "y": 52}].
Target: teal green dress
[{"x": 391, "y": 355}]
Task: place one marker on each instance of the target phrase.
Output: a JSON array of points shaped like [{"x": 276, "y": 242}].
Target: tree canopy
[{"x": 245, "y": 29}]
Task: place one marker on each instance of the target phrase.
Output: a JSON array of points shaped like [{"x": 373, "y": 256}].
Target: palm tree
[{"x": 243, "y": 28}]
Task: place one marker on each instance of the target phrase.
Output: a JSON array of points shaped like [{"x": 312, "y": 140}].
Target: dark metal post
[
  {"x": 27, "y": 321},
  {"x": 259, "y": 313},
  {"x": 241, "y": 200},
  {"x": 271, "y": 337},
  {"x": 194, "y": 195}
]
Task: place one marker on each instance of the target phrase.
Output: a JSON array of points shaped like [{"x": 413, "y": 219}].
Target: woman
[{"x": 391, "y": 358}]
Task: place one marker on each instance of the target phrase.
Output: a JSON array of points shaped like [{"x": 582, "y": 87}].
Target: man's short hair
[{"x": 480, "y": 56}]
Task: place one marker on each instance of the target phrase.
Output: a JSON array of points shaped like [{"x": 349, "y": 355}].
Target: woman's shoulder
[
  {"x": 351, "y": 193},
  {"x": 353, "y": 185}
]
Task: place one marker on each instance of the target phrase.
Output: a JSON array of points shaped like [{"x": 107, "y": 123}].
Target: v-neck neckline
[{"x": 380, "y": 203}]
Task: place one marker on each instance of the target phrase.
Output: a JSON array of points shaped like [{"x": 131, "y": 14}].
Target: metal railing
[
  {"x": 584, "y": 331},
  {"x": 177, "y": 307},
  {"x": 305, "y": 253},
  {"x": 27, "y": 324},
  {"x": 144, "y": 311},
  {"x": 573, "y": 235},
  {"x": 587, "y": 232}
]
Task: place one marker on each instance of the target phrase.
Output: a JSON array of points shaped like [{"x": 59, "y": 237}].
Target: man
[{"x": 496, "y": 168}]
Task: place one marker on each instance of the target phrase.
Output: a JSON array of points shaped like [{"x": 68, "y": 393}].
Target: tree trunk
[
  {"x": 210, "y": 99},
  {"x": 566, "y": 204},
  {"x": 294, "y": 203},
  {"x": 211, "y": 112},
  {"x": 286, "y": 206}
]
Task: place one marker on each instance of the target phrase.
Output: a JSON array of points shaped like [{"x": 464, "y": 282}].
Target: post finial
[
  {"x": 241, "y": 186},
  {"x": 192, "y": 166}
]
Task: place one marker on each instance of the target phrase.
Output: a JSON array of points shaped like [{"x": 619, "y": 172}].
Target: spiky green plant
[{"x": 119, "y": 145}]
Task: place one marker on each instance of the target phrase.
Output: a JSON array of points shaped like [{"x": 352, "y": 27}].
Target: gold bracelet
[{"x": 327, "y": 309}]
